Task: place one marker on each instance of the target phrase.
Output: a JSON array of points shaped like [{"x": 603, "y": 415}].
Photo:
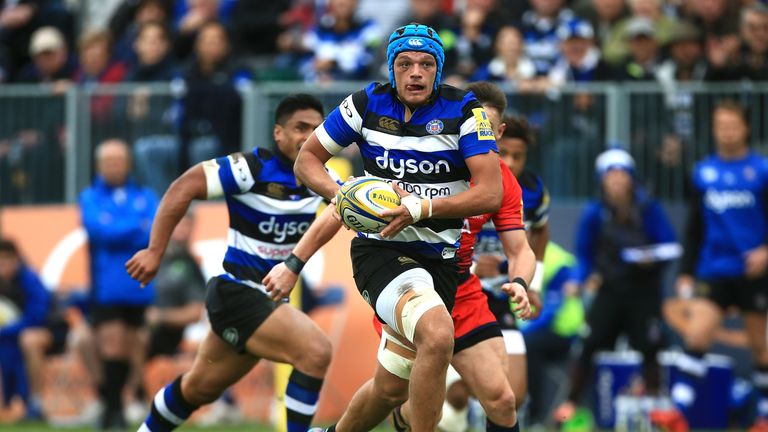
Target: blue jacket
[
  {"x": 601, "y": 242},
  {"x": 118, "y": 222},
  {"x": 34, "y": 301}
]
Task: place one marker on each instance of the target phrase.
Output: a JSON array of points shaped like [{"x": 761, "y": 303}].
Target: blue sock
[
  {"x": 301, "y": 400},
  {"x": 169, "y": 409},
  {"x": 691, "y": 371},
  {"x": 493, "y": 427}
]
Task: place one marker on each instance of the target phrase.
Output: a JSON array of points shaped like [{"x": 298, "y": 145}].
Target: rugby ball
[{"x": 360, "y": 202}]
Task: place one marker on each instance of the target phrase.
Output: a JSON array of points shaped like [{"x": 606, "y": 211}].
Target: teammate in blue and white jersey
[
  {"x": 427, "y": 139},
  {"x": 726, "y": 251},
  {"x": 268, "y": 212}
]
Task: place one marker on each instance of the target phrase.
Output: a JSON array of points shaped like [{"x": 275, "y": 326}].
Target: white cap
[
  {"x": 614, "y": 159},
  {"x": 46, "y": 39}
]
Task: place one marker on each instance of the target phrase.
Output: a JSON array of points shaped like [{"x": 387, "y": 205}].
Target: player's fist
[{"x": 143, "y": 266}]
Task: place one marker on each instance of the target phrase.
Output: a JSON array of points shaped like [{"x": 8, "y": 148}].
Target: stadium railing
[{"x": 47, "y": 134}]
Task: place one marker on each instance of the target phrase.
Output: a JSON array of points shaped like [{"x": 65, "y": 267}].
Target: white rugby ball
[{"x": 360, "y": 202}]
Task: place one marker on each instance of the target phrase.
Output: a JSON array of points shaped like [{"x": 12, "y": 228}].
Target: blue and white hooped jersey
[
  {"x": 424, "y": 155},
  {"x": 268, "y": 212},
  {"x": 733, "y": 212}
]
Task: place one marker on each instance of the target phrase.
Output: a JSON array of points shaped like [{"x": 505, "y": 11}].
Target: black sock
[
  {"x": 760, "y": 379},
  {"x": 493, "y": 427},
  {"x": 115, "y": 377}
]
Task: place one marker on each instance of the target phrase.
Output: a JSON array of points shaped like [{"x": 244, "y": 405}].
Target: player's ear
[
  {"x": 277, "y": 132},
  {"x": 502, "y": 128}
]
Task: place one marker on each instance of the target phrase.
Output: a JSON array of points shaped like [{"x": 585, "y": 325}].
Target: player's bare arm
[
  {"x": 522, "y": 264},
  {"x": 310, "y": 168},
  {"x": 175, "y": 203},
  {"x": 281, "y": 279},
  {"x": 483, "y": 197}
]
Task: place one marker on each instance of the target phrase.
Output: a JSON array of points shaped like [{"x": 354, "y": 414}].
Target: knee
[
  {"x": 501, "y": 408},
  {"x": 316, "y": 357},
  {"x": 393, "y": 395},
  {"x": 434, "y": 336},
  {"x": 31, "y": 342}
]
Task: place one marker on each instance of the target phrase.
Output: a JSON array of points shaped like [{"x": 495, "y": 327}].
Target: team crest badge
[
  {"x": 230, "y": 335},
  {"x": 434, "y": 127}
]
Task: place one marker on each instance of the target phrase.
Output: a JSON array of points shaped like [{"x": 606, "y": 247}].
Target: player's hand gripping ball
[{"x": 360, "y": 202}]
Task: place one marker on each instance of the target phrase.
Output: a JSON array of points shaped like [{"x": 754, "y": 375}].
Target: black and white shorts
[
  {"x": 375, "y": 264},
  {"x": 236, "y": 310}
]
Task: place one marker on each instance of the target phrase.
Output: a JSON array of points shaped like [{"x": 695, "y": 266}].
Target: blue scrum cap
[{"x": 415, "y": 37}]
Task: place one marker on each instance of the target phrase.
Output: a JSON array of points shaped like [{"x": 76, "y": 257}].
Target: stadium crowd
[{"x": 211, "y": 49}]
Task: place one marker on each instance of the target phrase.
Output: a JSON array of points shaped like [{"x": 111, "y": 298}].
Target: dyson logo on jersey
[
  {"x": 411, "y": 166},
  {"x": 281, "y": 230},
  {"x": 721, "y": 201}
]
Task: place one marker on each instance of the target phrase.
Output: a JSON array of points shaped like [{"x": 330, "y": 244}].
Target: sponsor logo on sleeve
[{"x": 484, "y": 129}]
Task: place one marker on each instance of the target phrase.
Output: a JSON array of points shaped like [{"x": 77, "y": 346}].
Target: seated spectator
[
  {"x": 539, "y": 28},
  {"x": 129, "y": 18},
  {"x": 686, "y": 57},
  {"x": 24, "y": 304},
  {"x": 604, "y": 16},
  {"x": 343, "y": 46},
  {"x": 580, "y": 61},
  {"x": 510, "y": 63},
  {"x": 50, "y": 58},
  {"x": 211, "y": 120},
  {"x": 190, "y": 16},
  {"x": 151, "y": 117},
  {"x": 475, "y": 42},
  {"x": 644, "y": 51},
  {"x": 751, "y": 61},
  {"x": 617, "y": 49},
  {"x": 429, "y": 13}
]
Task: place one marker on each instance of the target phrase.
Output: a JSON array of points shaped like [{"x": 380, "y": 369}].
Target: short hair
[
  {"x": 8, "y": 246},
  {"x": 296, "y": 102},
  {"x": 91, "y": 38},
  {"x": 518, "y": 127},
  {"x": 111, "y": 141},
  {"x": 734, "y": 107},
  {"x": 164, "y": 30},
  {"x": 489, "y": 94}
]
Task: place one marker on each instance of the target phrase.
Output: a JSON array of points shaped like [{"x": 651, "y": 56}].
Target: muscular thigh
[
  {"x": 286, "y": 335},
  {"x": 217, "y": 366},
  {"x": 483, "y": 368}
]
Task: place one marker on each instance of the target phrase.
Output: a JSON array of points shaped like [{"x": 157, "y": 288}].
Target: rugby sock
[
  {"x": 169, "y": 409},
  {"x": 493, "y": 427},
  {"x": 301, "y": 396},
  {"x": 760, "y": 378},
  {"x": 115, "y": 377}
]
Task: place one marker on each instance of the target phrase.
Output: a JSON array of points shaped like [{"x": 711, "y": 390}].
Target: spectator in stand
[
  {"x": 686, "y": 60},
  {"x": 190, "y": 16},
  {"x": 719, "y": 22},
  {"x": 604, "y": 16},
  {"x": 539, "y": 27},
  {"x": 51, "y": 62},
  {"x": 117, "y": 214},
  {"x": 429, "y": 13},
  {"x": 343, "y": 46},
  {"x": 97, "y": 68},
  {"x": 751, "y": 62},
  {"x": 150, "y": 117},
  {"x": 580, "y": 59},
  {"x": 24, "y": 303},
  {"x": 129, "y": 18},
  {"x": 621, "y": 246},
  {"x": 475, "y": 42},
  {"x": 510, "y": 64},
  {"x": 618, "y": 48},
  {"x": 644, "y": 56},
  {"x": 211, "y": 105}
]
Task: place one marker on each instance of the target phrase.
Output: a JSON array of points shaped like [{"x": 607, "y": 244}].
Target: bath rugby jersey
[
  {"x": 268, "y": 211},
  {"x": 425, "y": 154},
  {"x": 508, "y": 218},
  {"x": 728, "y": 216}
]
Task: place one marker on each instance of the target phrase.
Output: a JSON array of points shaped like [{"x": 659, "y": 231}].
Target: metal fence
[{"x": 47, "y": 137}]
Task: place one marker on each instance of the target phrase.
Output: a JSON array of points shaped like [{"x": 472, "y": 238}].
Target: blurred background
[{"x": 182, "y": 81}]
